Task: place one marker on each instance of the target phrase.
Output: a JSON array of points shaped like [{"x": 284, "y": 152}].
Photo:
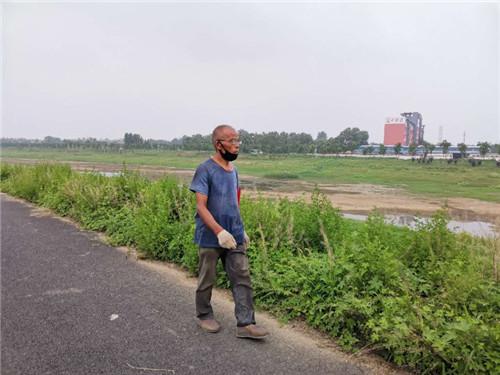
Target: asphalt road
[{"x": 73, "y": 305}]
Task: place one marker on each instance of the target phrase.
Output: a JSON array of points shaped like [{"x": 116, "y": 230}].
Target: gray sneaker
[
  {"x": 252, "y": 331},
  {"x": 209, "y": 325}
]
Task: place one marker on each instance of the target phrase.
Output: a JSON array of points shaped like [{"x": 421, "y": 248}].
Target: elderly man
[{"x": 220, "y": 234}]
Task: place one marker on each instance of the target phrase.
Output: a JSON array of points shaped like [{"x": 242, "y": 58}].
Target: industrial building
[
  {"x": 405, "y": 129},
  {"x": 472, "y": 150}
]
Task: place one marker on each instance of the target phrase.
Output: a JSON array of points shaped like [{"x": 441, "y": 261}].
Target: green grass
[
  {"x": 436, "y": 180},
  {"x": 140, "y": 157}
]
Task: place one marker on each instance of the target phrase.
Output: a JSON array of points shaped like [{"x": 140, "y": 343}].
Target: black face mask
[{"x": 229, "y": 156}]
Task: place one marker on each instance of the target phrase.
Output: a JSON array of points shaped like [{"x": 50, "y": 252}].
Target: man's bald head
[{"x": 219, "y": 132}]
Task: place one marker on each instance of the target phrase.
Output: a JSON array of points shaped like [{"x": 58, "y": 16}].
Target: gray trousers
[{"x": 235, "y": 263}]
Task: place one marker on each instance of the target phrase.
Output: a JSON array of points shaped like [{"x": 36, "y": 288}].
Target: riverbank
[{"x": 349, "y": 198}]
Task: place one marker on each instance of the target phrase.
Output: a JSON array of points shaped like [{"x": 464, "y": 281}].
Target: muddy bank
[{"x": 356, "y": 198}]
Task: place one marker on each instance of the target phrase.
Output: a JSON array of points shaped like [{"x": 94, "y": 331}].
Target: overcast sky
[{"x": 164, "y": 70}]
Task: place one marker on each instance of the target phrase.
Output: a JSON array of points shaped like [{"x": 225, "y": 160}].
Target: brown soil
[{"x": 356, "y": 198}]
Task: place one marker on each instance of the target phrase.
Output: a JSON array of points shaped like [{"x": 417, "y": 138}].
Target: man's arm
[
  {"x": 226, "y": 239},
  {"x": 206, "y": 216}
]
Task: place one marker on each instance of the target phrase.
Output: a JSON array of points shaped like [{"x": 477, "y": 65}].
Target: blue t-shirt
[{"x": 221, "y": 188}]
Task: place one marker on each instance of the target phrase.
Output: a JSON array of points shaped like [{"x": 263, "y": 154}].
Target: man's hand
[
  {"x": 226, "y": 240},
  {"x": 246, "y": 238}
]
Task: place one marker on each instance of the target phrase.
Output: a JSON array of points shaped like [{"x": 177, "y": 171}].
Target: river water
[{"x": 476, "y": 228}]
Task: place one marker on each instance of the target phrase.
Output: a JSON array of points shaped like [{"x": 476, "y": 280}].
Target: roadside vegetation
[
  {"x": 438, "y": 179},
  {"x": 426, "y": 299}
]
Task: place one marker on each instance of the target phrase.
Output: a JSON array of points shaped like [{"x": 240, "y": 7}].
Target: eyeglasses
[{"x": 232, "y": 141}]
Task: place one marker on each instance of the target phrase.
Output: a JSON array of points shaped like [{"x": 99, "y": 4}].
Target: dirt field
[{"x": 356, "y": 198}]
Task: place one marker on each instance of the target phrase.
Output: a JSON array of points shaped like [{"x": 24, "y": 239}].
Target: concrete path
[{"x": 73, "y": 305}]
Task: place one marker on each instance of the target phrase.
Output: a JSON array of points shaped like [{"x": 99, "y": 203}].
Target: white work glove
[
  {"x": 246, "y": 238},
  {"x": 226, "y": 240}
]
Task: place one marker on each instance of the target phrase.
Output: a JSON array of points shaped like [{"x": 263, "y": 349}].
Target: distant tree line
[
  {"x": 67, "y": 144},
  {"x": 130, "y": 141},
  {"x": 271, "y": 142},
  {"x": 280, "y": 142},
  {"x": 349, "y": 139}
]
